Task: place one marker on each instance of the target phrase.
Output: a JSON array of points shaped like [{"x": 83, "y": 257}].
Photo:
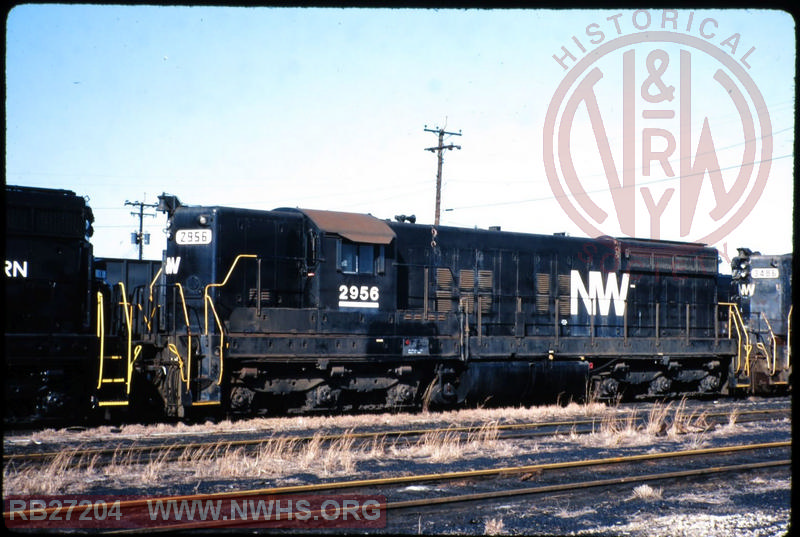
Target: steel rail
[
  {"x": 493, "y": 495},
  {"x": 585, "y": 484}
]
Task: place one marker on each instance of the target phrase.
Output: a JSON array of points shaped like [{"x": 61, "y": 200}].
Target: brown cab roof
[{"x": 355, "y": 227}]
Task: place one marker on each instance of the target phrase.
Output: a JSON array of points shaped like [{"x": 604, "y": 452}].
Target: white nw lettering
[
  {"x": 171, "y": 265},
  {"x": 598, "y": 297},
  {"x": 747, "y": 289}
]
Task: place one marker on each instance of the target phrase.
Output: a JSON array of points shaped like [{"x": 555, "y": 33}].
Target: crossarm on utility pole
[{"x": 141, "y": 214}]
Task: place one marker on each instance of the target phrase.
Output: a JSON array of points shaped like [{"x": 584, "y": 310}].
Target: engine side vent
[
  {"x": 563, "y": 295},
  {"x": 542, "y": 292}
]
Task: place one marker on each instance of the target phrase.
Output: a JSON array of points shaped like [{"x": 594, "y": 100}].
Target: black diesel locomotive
[
  {"x": 297, "y": 310},
  {"x": 50, "y": 346},
  {"x": 762, "y": 287},
  {"x": 303, "y": 310}
]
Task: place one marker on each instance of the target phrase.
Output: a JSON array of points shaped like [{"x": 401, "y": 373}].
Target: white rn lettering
[
  {"x": 16, "y": 270},
  {"x": 598, "y": 297}
]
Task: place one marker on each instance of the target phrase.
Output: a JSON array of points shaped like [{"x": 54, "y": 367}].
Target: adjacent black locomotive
[
  {"x": 296, "y": 310},
  {"x": 762, "y": 288},
  {"x": 50, "y": 344}
]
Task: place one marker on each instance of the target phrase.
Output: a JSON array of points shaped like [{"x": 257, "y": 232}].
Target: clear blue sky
[{"x": 326, "y": 109}]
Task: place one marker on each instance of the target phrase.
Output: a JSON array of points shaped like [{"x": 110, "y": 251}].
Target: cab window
[{"x": 357, "y": 258}]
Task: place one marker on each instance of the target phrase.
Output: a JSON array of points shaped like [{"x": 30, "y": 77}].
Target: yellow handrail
[
  {"x": 221, "y": 338},
  {"x": 206, "y": 298},
  {"x": 174, "y": 350},
  {"x": 152, "y": 300},
  {"x": 101, "y": 334},
  {"x": 735, "y": 317},
  {"x": 136, "y": 352},
  {"x": 761, "y": 347},
  {"x": 144, "y": 316},
  {"x": 189, "y": 342},
  {"x": 208, "y": 302},
  {"x": 153, "y": 283},
  {"x": 774, "y": 347},
  {"x": 128, "y": 309}
]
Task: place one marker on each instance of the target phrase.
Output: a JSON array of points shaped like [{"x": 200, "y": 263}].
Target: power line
[{"x": 603, "y": 190}]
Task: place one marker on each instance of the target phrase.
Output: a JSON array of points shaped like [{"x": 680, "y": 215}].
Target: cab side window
[{"x": 354, "y": 258}]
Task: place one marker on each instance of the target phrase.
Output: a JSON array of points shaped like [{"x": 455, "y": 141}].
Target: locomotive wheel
[
  {"x": 441, "y": 393},
  {"x": 171, "y": 392},
  {"x": 660, "y": 385},
  {"x": 710, "y": 383},
  {"x": 401, "y": 394},
  {"x": 323, "y": 397},
  {"x": 608, "y": 388},
  {"x": 242, "y": 399}
]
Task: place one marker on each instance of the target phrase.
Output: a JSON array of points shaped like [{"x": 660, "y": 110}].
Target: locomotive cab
[
  {"x": 270, "y": 309},
  {"x": 354, "y": 269}
]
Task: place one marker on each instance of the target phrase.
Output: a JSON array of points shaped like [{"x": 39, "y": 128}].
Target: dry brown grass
[
  {"x": 493, "y": 526},
  {"x": 280, "y": 458},
  {"x": 339, "y": 458},
  {"x": 566, "y": 512},
  {"x": 444, "y": 446},
  {"x": 319, "y": 423},
  {"x": 67, "y": 472},
  {"x": 646, "y": 492},
  {"x": 52, "y": 480},
  {"x": 672, "y": 421},
  {"x": 450, "y": 445},
  {"x": 683, "y": 423},
  {"x": 276, "y": 458}
]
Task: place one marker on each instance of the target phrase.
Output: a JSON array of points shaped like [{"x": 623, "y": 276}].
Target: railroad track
[
  {"x": 496, "y": 483},
  {"x": 137, "y": 453}
]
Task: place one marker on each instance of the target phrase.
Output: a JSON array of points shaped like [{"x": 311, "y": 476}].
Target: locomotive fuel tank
[{"x": 516, "y": 382}]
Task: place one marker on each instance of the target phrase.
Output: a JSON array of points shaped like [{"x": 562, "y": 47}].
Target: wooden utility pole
[
  {"x": 140, "y": 237},
  {"x": 441, "y": 147}
]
